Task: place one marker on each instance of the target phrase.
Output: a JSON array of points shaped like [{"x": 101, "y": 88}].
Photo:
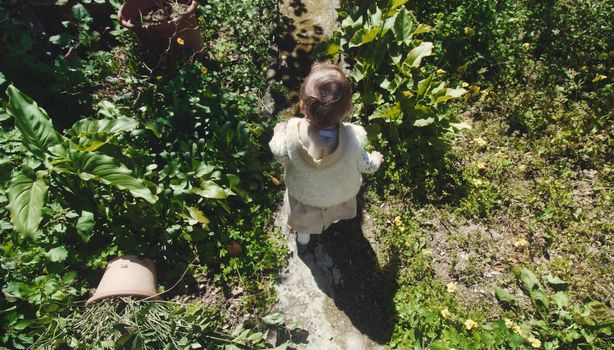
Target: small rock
[{"x": 237, "y": 292}]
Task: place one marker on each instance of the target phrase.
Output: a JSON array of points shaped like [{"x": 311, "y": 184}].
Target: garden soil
[{"x": 336, "y": 290}]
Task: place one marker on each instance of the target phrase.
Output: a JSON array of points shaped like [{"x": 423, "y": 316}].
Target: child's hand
[{"x": 378, "y": 157}]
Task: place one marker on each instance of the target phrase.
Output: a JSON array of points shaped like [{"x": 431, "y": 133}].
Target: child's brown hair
[{"x": 326, "y": 95}]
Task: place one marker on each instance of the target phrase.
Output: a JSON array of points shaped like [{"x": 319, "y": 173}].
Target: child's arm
[
  {"x": 370, "y": 162},
  {"x": 278, "y": 142}
]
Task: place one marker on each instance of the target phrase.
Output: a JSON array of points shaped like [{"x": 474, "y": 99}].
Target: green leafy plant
[
  {"x": 428, "y": 316},
  {"x": 63, "y": 160},
  {"x": 400, "y": 98}
]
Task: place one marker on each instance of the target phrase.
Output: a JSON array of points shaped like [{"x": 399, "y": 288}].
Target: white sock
[{"x": 303, "y": 238}]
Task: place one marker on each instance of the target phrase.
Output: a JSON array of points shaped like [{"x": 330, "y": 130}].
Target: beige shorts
[{"x": 313, "y": 220}]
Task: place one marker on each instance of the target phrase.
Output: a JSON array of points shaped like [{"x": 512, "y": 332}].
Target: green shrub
[{"x": 402, "y": 100}]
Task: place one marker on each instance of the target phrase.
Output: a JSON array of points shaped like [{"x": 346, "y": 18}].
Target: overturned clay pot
[{"x": 127, "y": 275}]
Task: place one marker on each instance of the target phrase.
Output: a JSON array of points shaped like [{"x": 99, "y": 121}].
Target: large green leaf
[
  {"x": 424, "y": 85},
  {"x": 424, "y": 122},
  {"x": 389, "y": 112},
  {"x": 209, "y": 189},
  {"x": 32, "y": 122},
  {"x": 108, "y": 126},
  {"x": 364, "y": 36},
  {"x": 197, "y": 216},
  {"x": 397, "y": 3},
  {"x": 529, "y": 280},
  {"x": 403, "y": 27},
  {"x": 57, "y": 254},
  {"x": 100, "y": 167},
  {"x": 451, "y": 94},
  {"x": 85, "y": 225},
  {"x": 505, "y": 298},
  {"x": 26, "y": 194},
  {"x": 414, "y": 58}
]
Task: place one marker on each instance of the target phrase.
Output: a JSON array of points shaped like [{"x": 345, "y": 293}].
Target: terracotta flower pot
[
  {"x": 180, "y": 31},
  {"x": 127, "y": 276}
]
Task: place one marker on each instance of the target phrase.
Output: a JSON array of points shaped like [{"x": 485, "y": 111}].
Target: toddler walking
[{"x": 324, "y": 157}]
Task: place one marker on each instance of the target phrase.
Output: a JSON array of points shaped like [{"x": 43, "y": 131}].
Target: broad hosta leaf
[
  {"x": 392, "y": 86},
  {"x": 348, "y": 22},
  {"x": 26, "y": 194},
  {"x": 364, "y": 36},
  {"x": 375, "y": 19},
  {"x": 388, "y": 112},
  {"x": 109, "y": 126},
  {"x": 329, "y": 48},
  {"x": 397, "y": 3},
  {"x": 100, "y": 167},
  {"x": 85, "y": 225},
  {"x": 403, "y": 27},
  {"x": 32, "y": 122},
  {"x": 424, "y": 122},
  {"x": 197, "y": 216},
  {"x": 414, "y": 58},
  {"x": 210, "y": 189},
  {"x": 451, "y": 94},
  {"x": 423, "y": 28},
  {"x": 424, "y": 85}
]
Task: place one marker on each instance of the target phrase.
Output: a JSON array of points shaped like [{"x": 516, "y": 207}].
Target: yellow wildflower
[
  {"x": 516, "y": 329},
  {"x": 445, "y": 313},
  {"x": 509, "y": 323},
  {"x": 422, "y": 69},
  {"x": 520, "y": 243},
  {"x": 500, "y": 154},
  {"x": 480, "y": 142},
  {"x": 470, "y": 324},
  {"x": 536, "y": 343},
  {"x": 397, "y": 221},
  {"x": 451, "y": 287},
  {"x": 464, "y": 84},
  {"x": 180, "y": 41},
  {"x": 204, "y": 69},
  {"x": 477, "y": 182},
  {"x": 526, "y": 45}
]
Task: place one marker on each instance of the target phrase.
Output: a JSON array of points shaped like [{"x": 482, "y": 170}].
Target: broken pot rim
[{"x": 127, "y": 22}]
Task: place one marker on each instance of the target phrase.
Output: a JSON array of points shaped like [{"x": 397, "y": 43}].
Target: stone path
[{"x": 336, "y": 290}]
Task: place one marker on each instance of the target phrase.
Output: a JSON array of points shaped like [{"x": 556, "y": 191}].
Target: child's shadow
[{"x": 346, "y": 268}]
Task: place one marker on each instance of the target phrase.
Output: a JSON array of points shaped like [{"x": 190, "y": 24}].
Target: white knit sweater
[{"x": 324, "y": 182}]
